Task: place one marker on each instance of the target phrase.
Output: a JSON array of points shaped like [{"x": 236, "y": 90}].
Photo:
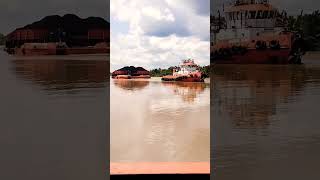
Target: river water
[
  {"x": 53, "y": 117},
  {"x": 266, "y": 121},
  {"x": 264, "y": 118},
  {"x": 154, "y": 121}
]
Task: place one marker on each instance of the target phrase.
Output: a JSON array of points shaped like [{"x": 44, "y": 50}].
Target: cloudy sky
[
  {"x": 159, "y": 33},
  {"x": 17, "y": 13},
  {"x": 293, "y": 7}
]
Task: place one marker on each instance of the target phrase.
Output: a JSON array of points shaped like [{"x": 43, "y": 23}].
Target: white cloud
[
  {"x": 161, "y": 33},
  {"x": 157, "y": 14}
]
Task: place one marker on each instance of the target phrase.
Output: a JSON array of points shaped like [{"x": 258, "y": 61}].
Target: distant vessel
[
  {"x": 254, "y": 32},
  {"x": 188, "y": 71}
]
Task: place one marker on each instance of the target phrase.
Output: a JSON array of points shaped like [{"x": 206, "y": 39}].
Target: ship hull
[
  {"x": 182, "y": 79},
  {"x": 67, "y": 51},
  {"x": 131, "y": 77},
  {"x": 253, "y": 56}
]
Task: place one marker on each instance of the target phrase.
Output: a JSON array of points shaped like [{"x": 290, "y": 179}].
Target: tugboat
[
  {"x": 188, "y": 71},
  {"x": 254, "y": 32}
]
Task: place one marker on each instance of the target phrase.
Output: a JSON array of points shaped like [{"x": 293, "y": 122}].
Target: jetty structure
[
  {"x": 131, "y": 72},
  {"x": 254, "y": 32},
  {"x": 60, "y": 35}
]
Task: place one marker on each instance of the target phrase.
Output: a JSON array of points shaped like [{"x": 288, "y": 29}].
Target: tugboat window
[
  {"x": 252, "y": 14},
  {"x": 265, "y": 14},
  {"x": 259, "y": 15},
  {"x": 271, "y": 14}
]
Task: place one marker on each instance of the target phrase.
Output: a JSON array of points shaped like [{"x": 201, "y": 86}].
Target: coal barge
[
  {"x": 131, "y": 72},
  {"x": 56, "y": 35}
]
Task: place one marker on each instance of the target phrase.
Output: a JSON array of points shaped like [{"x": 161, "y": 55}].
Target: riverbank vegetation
[
  {"x": 2, "y": 39},
  {"x": 309, "y": 27},
  {"x": 161, "y": 72}
]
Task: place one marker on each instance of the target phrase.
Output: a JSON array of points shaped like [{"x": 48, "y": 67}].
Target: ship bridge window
[
  {"x": 252, "y": 14},
  {"x": 271, "y": 14},
  {"x": 265, "y": 15},
  {"x": 242, "y": 15},
  {"x": 259, "y": 15}
]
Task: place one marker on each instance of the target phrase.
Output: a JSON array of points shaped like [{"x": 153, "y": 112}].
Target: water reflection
[
  {"x": 265, "y": 120},
  {"x": 156, "y": 121},
  {"x": 188, "y": 91},
  {"x": 131, "y": 85},
  {"x": 52, "y": 115},
  {"x": 251, "y": 94},
  {"x": 55, "y": 75}
]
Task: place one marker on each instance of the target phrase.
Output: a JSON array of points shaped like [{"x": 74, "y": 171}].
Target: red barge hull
[
  {"x": 182, "y": 79},
  {"x": 253, "y": 56},
  {"x": 68, "y": 51},
  {"x": 131, "y": 77}
]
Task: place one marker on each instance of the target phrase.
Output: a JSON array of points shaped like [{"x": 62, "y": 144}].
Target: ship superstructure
[{"x": 249, "y": 26}]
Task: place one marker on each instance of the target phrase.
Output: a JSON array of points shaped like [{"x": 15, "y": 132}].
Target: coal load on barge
[
  {"x": 131, "y": 72},
  {"x": 56, "y": 35},
  {"x": 254, "y": 32}
]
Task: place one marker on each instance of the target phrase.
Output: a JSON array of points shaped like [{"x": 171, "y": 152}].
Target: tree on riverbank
[
  {"x": 205, "y": 70},
  {"x": 2, "y": 39},
  {"x": 309, "y": 26},
  {"x": 161, "y": 72}
]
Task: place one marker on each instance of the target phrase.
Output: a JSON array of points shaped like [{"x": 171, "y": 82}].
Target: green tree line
[
  {"x": 308, "y": 25},
  {"x": 161, "y": 72},
  {"x": 2, "y": 39}
]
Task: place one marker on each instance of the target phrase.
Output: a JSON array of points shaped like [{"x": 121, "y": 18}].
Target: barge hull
[
  {"x": 253, "y": 56},
  {"x": 182, "y": 79},
  {"x": 69, "y": 51},
  {"x": 131, "y": 77}
]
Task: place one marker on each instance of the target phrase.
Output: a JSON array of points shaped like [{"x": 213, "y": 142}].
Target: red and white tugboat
[
  {"x": 254, "y": 32},
  {"x": 188, "y": 71}
]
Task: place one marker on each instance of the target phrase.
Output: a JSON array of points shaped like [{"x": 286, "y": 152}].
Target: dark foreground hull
[{"x": 254, "y": 56}]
